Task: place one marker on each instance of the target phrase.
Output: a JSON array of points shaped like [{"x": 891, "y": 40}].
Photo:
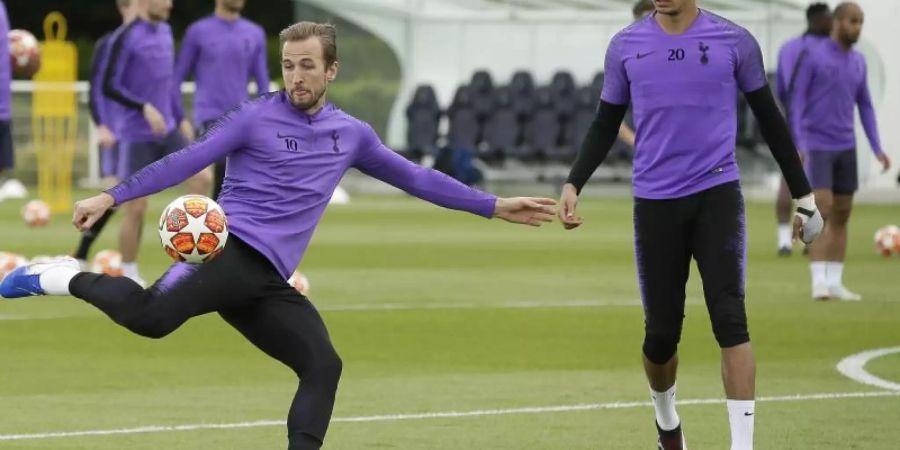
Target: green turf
[{"x": 451, "y": 341}]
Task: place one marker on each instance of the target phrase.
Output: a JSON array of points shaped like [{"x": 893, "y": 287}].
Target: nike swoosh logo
[
  {"x": 641, "y": 55},
  {"x": 748, "y": 413},
  {"x": 282, "y": 136},
  {"x": 33, "y": 294}
]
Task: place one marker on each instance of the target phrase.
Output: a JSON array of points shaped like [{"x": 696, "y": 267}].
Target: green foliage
[{"x": 367, "y": 100}]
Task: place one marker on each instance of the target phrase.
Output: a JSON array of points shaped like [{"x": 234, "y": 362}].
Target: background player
[
  {"x": 222, "y": 51},
  {"x": 792, "y": 53},
  {"x": 103, "y": 112},
  {"x": 827, "y": 88},
  {"x": 679, "y": 69},
  {"x": 288, "y": 150},
  {"x": 7, "y": 155},
  {"x": 139, "y": 77}
]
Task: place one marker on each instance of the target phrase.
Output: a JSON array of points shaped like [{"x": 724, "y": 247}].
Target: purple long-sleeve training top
[
  {"x": 828, "y": 85},
  {"x": 140, "y": 70},
  {"x": 98, "y": 103},
  {"x": 283, "y": 166},
  {"x": 682, "y": 90},
  {"x": 5, "y": 66},
  {"x": 222, "y": 55}
]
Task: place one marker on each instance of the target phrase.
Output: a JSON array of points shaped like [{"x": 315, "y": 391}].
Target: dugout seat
[
  {"x": 465, "y": 129},
  {"x": 423, "y": 119},
  {"x": 502, "y": 130}
]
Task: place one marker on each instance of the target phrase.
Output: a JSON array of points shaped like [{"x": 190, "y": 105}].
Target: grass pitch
[{"x": 440, "y": 312}]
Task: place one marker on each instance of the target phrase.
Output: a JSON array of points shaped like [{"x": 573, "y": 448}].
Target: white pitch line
[
  {"x": 437, "y": 415},
  {"x": 853, "y": 367}
]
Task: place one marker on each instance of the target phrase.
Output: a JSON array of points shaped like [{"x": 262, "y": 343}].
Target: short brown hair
[
  {"x": 641, "y": 7},
  {"x": 326, "y": 32}
]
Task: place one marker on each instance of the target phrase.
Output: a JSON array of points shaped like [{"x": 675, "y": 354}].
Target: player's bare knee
[
  {"x": 660, "y": 348},
  {"x": 825, "y": 208},
  {"x": 136, "y": 208},
  {"x": 840, "y": 216}
]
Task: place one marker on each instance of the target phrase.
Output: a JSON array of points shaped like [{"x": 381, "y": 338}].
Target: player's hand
[
  {"x": 567, "y": 204},
  {"x": 885, "y": 161},
  {"x": 187, "y": 130},
  {"x": 105, "y": 137},
  {"x": 156, "y": 121},
  {"x": 525, "y": 210},
  {"x": 88, "y": 211},
  {"x": 808, "y": 221}
]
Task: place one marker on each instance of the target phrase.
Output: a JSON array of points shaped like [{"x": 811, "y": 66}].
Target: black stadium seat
[
  {"x": 502, "y": 130},
  {"x": 541, "y": 134},
  {"x": 562, "y": 89},
  {"x": 423, "y": 115},
  {"x": 522, "y": 94},
  {"x": 578, "y": 124},
  {"x": 465, "y": 130},
  {"x": 482, "y": 91},
  {"x": 597, "y": 84}
]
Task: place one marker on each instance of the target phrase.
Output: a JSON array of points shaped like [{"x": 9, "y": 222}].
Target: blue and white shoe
[{"x": 26, "y": 280}]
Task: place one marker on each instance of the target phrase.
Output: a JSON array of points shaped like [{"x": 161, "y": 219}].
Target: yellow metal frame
[{"x": 54, "y": 117}]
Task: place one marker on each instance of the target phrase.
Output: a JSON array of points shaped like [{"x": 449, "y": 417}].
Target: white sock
[
  {"x": 817, "y": 268},
  {"x": 55, "y": 281},
  {"x": 785, "y": 235},
  {"x": 664, "y": 404},
  {"x": 834, "y": 273},
  {"x": 130, "y": 269},
  {"x": 740, "y": 417}
]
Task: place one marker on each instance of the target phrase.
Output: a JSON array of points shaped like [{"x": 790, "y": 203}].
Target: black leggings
[
  {"x": 708, "y": 226},
  {"x": 246, "y": 290}
]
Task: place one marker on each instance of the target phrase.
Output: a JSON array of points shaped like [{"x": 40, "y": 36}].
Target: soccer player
[
  {"x": 139, "y": 78},
  {"x": 680, "y": 68},
  {"x": 222, "y": 51},
  {"x": 103, "y": 113},
  {"x": 7, "y": 156},
  {"x": 827, "y": 88},
  {"x": 792, "y": 54},
  {"x": 287, "y": 152}
]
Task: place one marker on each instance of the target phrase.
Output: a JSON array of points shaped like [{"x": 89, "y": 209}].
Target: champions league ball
[
  {"x": 36, "y": 213},
  {"x": 107, "y": 262},
  {"x": 24, "y": 53},
  {"x": 10, "y": 262},
  {"x": 887, "y": 240},
  {"x": 193, "y": 229}
]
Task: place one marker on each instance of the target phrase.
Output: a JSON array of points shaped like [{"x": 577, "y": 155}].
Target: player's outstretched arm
[
  {"x": 599, "y": 140},
  {"x": 532, "y": 211},
  {"x": 225, "y": 136},
  {"x": 870, "y": 124},
  {"x": 89, "y": 211},
  {"x": 808, "y": 221},
  {"x": 380, "y": 162}
]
